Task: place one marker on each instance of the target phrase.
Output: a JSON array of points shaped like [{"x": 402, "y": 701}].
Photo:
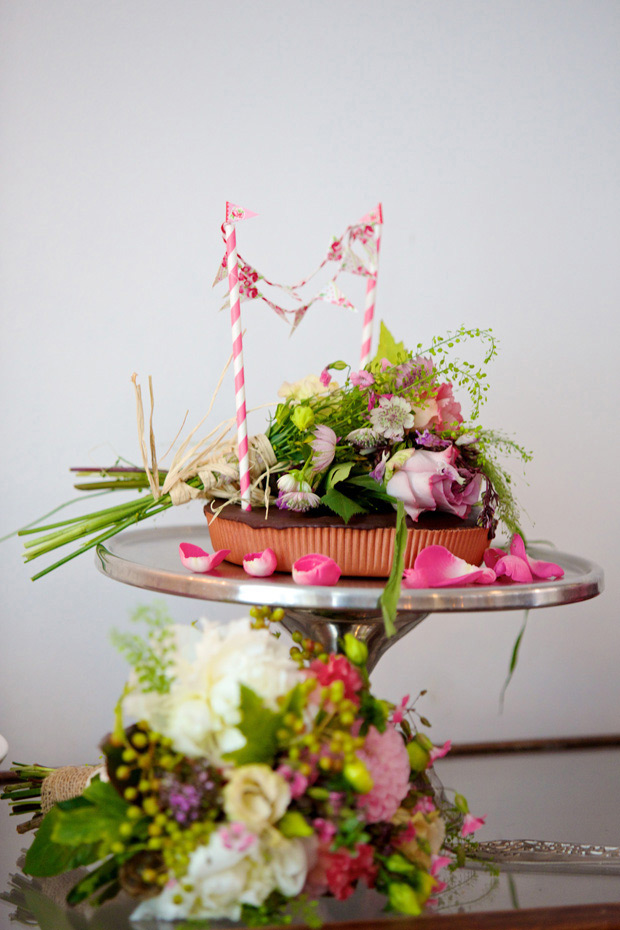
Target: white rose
[{"x": 256, "y": 795}]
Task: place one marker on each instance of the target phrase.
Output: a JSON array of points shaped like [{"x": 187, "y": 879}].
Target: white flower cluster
[
  {"x": 201, "y": 712},
  {"x": 222, "y": 876}
]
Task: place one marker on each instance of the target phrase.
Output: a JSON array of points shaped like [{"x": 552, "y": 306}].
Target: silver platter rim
[{"x": 148, "y": 558}]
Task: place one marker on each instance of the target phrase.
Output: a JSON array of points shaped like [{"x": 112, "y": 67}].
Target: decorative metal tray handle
[{"x": 551, "y": 856}]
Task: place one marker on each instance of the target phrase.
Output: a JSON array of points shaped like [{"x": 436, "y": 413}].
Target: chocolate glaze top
[{"x": 287, "y": 519}]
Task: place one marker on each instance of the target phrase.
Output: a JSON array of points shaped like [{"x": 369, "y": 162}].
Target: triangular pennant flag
[
  {"x": 333, "y": 295},
  {"x": 234, "y": 213},
  {"x": 375, "y": 216},
  {"x": 354, "y": 264},
  {"x": 221, "y": 273}
]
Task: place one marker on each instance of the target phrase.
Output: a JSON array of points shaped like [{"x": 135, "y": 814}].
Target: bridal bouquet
[{"x": 255, "y": 780}]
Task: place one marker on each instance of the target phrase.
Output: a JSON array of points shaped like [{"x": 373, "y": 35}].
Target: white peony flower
[
  {"x": 201, "y": 711},
  {"x": 224, "y": 875}
]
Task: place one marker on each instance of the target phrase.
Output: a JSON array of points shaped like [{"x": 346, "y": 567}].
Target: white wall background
[{"x": 491, "y": 133}]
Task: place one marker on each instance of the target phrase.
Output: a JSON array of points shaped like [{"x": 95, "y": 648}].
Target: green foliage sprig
[{"x": 151, "y": 656}]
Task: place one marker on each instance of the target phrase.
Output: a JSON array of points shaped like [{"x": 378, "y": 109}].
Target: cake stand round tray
[{"x": 149, "y": 559}]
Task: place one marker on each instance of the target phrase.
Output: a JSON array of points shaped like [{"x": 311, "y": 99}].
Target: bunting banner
[{"x": 355, "y": 252}]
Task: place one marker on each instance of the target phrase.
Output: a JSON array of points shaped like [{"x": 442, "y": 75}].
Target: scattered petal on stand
[
  {"x": 316, "y": 569},
  {"x": 260, "y": 564},
  {"x": 437, "y": 567},
  {"x": 197, "y": 560}
]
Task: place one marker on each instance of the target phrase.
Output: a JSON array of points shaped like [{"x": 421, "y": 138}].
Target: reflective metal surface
[
  {"x": 148, "y": 558},
  {"x": 533, "y": 855}
]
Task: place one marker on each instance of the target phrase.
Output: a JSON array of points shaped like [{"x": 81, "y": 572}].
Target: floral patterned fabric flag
[{"x": 343, "y": 251}]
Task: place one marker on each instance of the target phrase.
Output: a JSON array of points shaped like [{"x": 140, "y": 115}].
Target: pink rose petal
[
  {"x": 518, "y": 566},
  {"x": 492, "y": 556},
  {"x": 260, "y": 564},
  {"x": 316, "y": 569},
  {"x": 197, "y": 560},
  {"x": 513, "y": 567},
  {"x": 437, "y": 567},
  {"x": 538, "y": 568}
]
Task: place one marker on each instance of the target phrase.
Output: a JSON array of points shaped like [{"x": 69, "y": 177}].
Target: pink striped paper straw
[
  {"x": 235, "y": 214},
  {"x": 371, "y": 286}
]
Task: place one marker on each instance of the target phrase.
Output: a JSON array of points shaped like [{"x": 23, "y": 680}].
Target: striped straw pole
[
  {"x": 237, "y": 342},
  {"x": 369, "y": 310}
]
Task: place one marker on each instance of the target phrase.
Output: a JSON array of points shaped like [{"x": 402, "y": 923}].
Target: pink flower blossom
[
  {"x": 316, "y": 569},
  {"x": 399, "y": 712},
  {"x": 199, "y": 561},
  {"x": 471, "y": 824},
  {"x": 437, "y": 567},
  {"x": 296, "y": 781},
  {"x": 323, "y": 446},
  {"x": 385, "y": 757},
  {"x": 337, "y": 668},
  {"x": 260, "y": 564},
  {"x": 344, "y": 869},
  {"x": 518, "y": 566},
  {"x": 324, "y": 829},
  {"x": 295, "y": 495},
  {"x": 237, "y": 837},
  {"x": 423, "y": 806},
  {"x": 439, "y": 862},
  {"x": 361, "y": 378},
  {"x": 448, "y": 409},
  {"x": 428, "y": 480},
  {"x": 325, "y": 377},
  {"x": 438, "y": 752}
]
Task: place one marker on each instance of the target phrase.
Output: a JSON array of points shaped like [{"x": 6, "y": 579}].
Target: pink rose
[
  {"x": 448, "y": 409},
  {"x": 429, "y": 481}
]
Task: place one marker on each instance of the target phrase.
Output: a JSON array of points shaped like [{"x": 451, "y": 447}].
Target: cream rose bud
[{"x": 256, "y": 796}]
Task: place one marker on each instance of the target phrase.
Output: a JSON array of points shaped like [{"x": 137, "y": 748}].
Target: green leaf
[
  {"x": 102, "y": 875},
  {"x": 372, "y": 488},
  {"x": 373, "y": 712},
  {"x": 258, "y": 725},
  {"x": 513, "y": 659},
  {"x": 388, "y": 602},
  {"x": 395, "y": 352},
  {"x": 92, "y": 818},
  {"x": 342, "y": 505},
  {"x": 46, "y": 857},
  {"x": 338, "y": 473}
]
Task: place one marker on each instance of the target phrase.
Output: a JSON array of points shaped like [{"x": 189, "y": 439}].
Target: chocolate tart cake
[{"x": 362, "y": 547}]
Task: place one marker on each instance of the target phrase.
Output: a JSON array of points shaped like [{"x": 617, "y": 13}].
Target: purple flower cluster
[{"x": 185, "y": 798}]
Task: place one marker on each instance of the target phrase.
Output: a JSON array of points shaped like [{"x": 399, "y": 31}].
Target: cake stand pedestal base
[{"x": 329, "y": 627}]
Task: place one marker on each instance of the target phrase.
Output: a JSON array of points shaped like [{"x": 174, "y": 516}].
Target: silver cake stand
[{"x": 149, "y": 559}]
